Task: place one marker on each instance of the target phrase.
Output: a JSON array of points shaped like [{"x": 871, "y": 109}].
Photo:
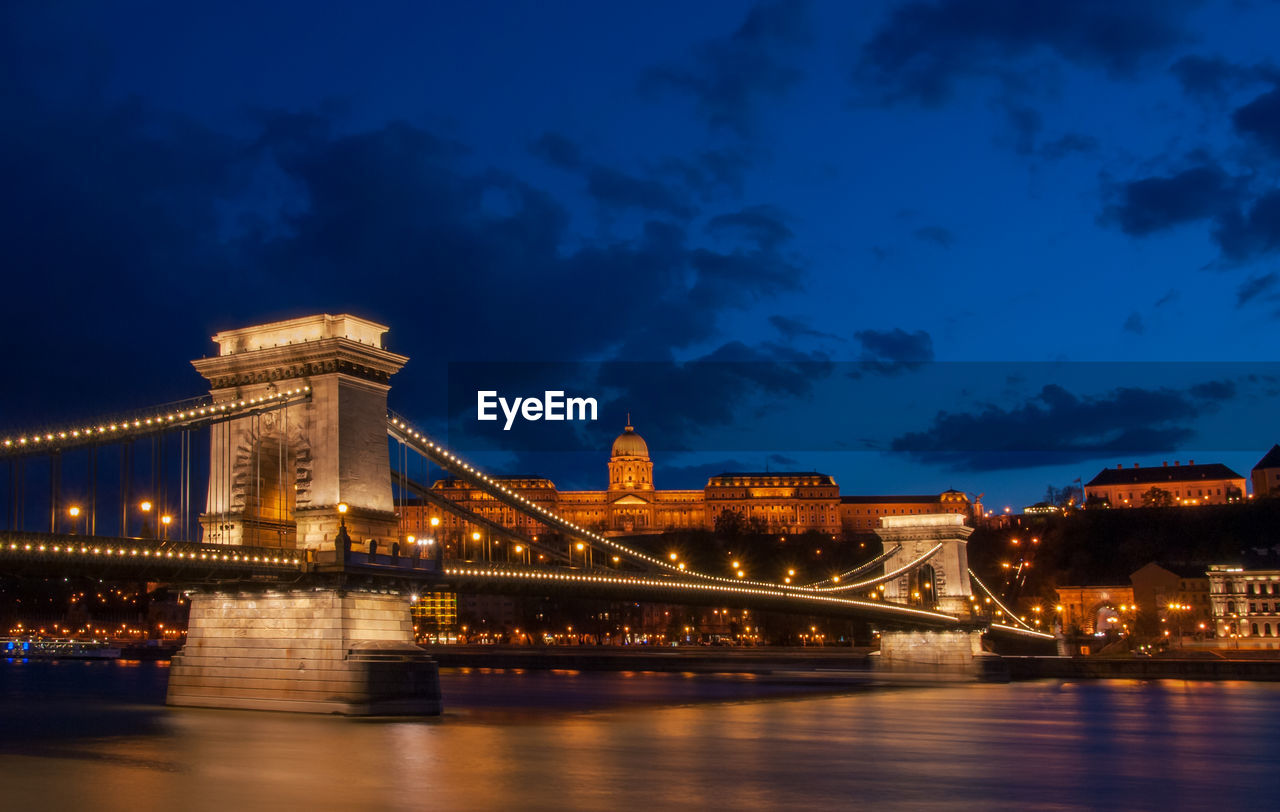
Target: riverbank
[
  {"x": 643, "y": 658},
  {"x": 847, "y": 663},
  {"x": 1193, "y": 668}
]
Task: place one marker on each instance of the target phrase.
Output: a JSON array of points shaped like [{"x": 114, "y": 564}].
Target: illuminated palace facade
[
  {"x": 781, "y": 501},
  {"x": 1190, "y": 484}
]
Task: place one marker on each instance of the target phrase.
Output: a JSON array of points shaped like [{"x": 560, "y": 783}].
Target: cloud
[
  {"x": 1027, "y": 124},
  {"x": 890, "y": 352},
  {"x": 682, "y": 400},
  {"x": 1056, "y": 426},
  {"x": 1153, "y": 204},
  {"x": 1211, "y": 80},
  {"x": 704, "y": 175},
  {"x": 618, "y": 190},
  {"x": 1260, "y": 120},
  {"x": 935, "y": 234},
  {"x": 1251, "y": 232},
  {"x": 557, "y": 150},
  {"x": 896, "y": 345},
  {"x": 1068, "y": 144},
  {"x": 923, "y": 49},
  {"x": 730, "y": 76},
  {"x": 1214, "y": 390},
  {"x": 1255, "y": 286},
  {"x": 289, "y": 213},
  {"x": 1168, "y": 298},
  {"x": 793, "y": 328},
  {"x": 1134, "y": 324},
  {"x": 708, "y": 173},
  {"x": 761, "y": 224}
]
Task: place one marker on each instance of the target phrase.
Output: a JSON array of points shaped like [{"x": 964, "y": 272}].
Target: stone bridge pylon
[
  {"x": 942, "y": 583},
  {"x": 277, "y": 478}
]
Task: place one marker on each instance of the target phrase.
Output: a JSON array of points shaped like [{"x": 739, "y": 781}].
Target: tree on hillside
[
  {"x": 1064, "y": 496},
  {"x": 729, "y": 523},
  {"x": 1157, "y": 497}
]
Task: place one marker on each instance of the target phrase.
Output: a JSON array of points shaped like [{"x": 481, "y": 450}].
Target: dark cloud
[
  {"x": 1068, "y": 144},
  {"x": 298, "y": 213},
  {"x": 1247, "y": 233},
  {"x": 935, "y": 234},
  {"x": 682, "y": 401},
  {"x": 1153, "y": 204},
  {"x": 1260, "y": 119},
  {"x": 703, "y": 175},
  {"x": 1134, "y": 324},
  {"x": 1056, "y": 427},
  {"x": 1026, "y": 124},
  {"x": 793, "y": 328},
  {"x": 730, "y": 76},
  {"x": 761, "y": 224},
  {"x": 1214, "y": 390},
  {"x": 1168, "y": 298},
  {"x": 890, "y": 352},
  {"x": 896, "y": 345},
  {"x": 758, "y": 272},
  {"x": 618, "y": 190},
  {"x": 1212, "y": 79},
  {"x": 1255, "y": 286},
  {"x": 923, "y": 48},
  {"x": 557, "y": 150},
  {"x": 696, "y": 475},
  {"x": 709, "y": 173}
]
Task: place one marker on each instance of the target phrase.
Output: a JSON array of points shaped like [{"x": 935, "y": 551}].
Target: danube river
[{"x": 78, "y": 735}]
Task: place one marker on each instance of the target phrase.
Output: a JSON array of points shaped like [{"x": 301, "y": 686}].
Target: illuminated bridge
[{"x": 275, "y": 502}]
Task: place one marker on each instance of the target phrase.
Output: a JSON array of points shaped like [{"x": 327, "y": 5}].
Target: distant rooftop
[
  {"x": 896, "y": 499},
  {"x": 824, "y": 479},
  {"x": 1271, "y": 460}
]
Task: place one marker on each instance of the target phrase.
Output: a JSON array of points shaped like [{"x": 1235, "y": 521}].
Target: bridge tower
[
  {"x": 941, "y": 584},
  {"x": 276, "y": 479},
  {"x": 325, "y": 644}
]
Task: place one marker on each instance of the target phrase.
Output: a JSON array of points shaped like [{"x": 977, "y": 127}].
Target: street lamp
[
  {"x": 166, "y": 520},
  {"x": 74, "y": 513}
]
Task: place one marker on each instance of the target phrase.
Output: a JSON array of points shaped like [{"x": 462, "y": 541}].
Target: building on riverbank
[
  {"x": 783, "y": 502},
  {"x": 1246, "y": 604}
]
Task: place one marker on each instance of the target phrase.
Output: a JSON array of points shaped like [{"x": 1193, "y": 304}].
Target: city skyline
[{"x": 781, "y": 186}]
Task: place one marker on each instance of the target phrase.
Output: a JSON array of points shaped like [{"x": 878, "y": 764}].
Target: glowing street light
[
  {"x": 74, "y": 513},
  {"x": 166, "y": 520}
]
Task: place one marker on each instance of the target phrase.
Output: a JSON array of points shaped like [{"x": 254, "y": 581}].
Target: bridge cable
[{"x": 997, "y": 602}]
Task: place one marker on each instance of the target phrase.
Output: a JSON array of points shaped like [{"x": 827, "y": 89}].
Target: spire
[{"x": 628, "y": 419}]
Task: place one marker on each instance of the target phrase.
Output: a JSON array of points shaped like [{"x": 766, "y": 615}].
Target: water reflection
[{"x": 646, "y": 741}]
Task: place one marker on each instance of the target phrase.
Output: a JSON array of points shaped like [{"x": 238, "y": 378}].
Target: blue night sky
[{"x": 923, "y": 233}]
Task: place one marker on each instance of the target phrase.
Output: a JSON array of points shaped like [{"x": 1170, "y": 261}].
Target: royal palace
[{"x": 776, "y": 502}]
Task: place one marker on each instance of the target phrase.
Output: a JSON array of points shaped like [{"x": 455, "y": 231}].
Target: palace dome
[{"x": 630, "y": 444}]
